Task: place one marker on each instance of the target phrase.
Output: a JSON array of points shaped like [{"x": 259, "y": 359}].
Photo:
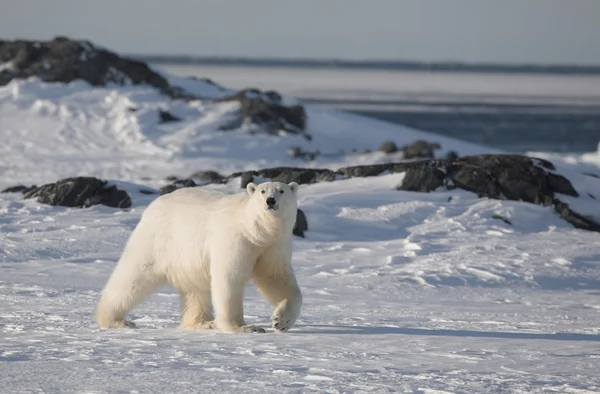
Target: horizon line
[{"x": 364, "y": 64}]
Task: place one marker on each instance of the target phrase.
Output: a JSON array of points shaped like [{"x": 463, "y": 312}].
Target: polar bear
[{"x": 208, "y": 245}]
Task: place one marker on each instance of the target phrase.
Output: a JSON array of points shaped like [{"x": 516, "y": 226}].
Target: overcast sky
[{"x": 513, "y": 31}]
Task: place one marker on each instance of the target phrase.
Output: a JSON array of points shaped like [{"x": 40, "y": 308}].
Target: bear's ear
[
  {"x": 250, "y": 188},
  {"x": 293, "y": 186}
]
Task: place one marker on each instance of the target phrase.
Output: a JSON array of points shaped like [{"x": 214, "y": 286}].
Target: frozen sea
[{"x": 557, "y": 113}]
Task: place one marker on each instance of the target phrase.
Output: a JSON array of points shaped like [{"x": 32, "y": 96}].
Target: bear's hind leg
[
  {"x": 125, "y": 289},
  {"x": 196, "y": 310}
]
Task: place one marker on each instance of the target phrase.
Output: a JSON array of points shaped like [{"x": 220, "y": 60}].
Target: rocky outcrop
[
  {"x": 65, "y": 60},
  {"x": 208, "y": 176},
  {"x": 203, "y": 178},
  {"x": 80, "y": 192},
  {"x": 419, "y": 149},
  {"x": 166, "y": 117},
  {"x": 301, "y": 224},
  {"x": 286, "y": 175},
  {"x": 267, "y": 112},
  {"x": 502, "y": 177},
  {"x": 177, "y": 184},
  {"x": 18, "y": 189}
]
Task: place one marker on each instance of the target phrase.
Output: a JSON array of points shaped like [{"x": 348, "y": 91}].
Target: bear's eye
[
  {"x": 262, "y": 191},
  {"x": 281, "y": 191}
]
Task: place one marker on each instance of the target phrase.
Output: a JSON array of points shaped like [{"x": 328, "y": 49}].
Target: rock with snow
[
  {"x": 80, "y": 192},
  {"x": 300, "y": 153},
  {"x": 18, "y": 189},
  {"x": 301, "y": 224},
  {"x": 177, "y": 184},
  {"x": 502, "y": 177},
  {"x": 286, "y": 175},
  {"x": 505, "y": 177},
  {"x": 388, "y": 147},
  {"x": 267, "y": 111},
  {"x": 65, "y": 60},
  {"x": 203, "y": 178},
  {"x": 420, "y": 149},
  {"x": 208, "y": 176},
  {"x": 166, "y": 117}
]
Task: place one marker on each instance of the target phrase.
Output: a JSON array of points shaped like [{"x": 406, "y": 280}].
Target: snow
[{"x": 403, "y": 292}]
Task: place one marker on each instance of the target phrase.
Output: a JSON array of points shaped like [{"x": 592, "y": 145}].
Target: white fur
[{"x": 209, "y": 245}]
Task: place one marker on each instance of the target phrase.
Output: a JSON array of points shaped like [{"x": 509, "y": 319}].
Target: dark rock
[
  {"x": 166, "y": 117},
  {"x": 507, "y": 177},
  {"x": 560, "y": 184},
  {"x": 373, "y": 170},
  {"x": 503, "y": 177},
  {"x": 591, "y": 174},
  {"x": 452, "y": 155},
  {"x": 172, "y": 178},
  {"x": 209, "y": 176},
  {"x": 298, "y": 152},
  {"x": 287, "y": 175},
  {"x": 80, "y": 192},
  {"x": 425, "y": 178},
  {"x": 543, "y": 163},
  {"x": 266, "y": 111},
  {"x": 246, "y": 178},
  {"x": 301, "y": 224},
  {"x": 577, "y": 220},
  {"x": 18, "y": 189},
  {"x": 274, "y": 96},
  {"x": 500, "y": 217},
  {"x": 65, "y": 60},
  {"x": 146, "y": 191},
  {"x": 420, "y": 150},
  {"x": 178, "y": 184},
  {"x": 388, "y": 147}
]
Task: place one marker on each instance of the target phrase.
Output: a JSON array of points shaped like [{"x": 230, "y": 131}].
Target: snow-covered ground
[{"x": 403, "y": 292}]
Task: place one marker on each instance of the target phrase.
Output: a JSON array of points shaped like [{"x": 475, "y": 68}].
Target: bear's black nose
[{"x": 271, "y": 201}]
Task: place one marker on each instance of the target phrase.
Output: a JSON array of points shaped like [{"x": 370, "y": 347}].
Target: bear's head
[{"x": 274, "y": 197}]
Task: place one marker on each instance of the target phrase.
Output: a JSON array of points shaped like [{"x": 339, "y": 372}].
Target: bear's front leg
[
  {"x": 228, "y": 278},
  {"x": 275, "y": 279}
]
